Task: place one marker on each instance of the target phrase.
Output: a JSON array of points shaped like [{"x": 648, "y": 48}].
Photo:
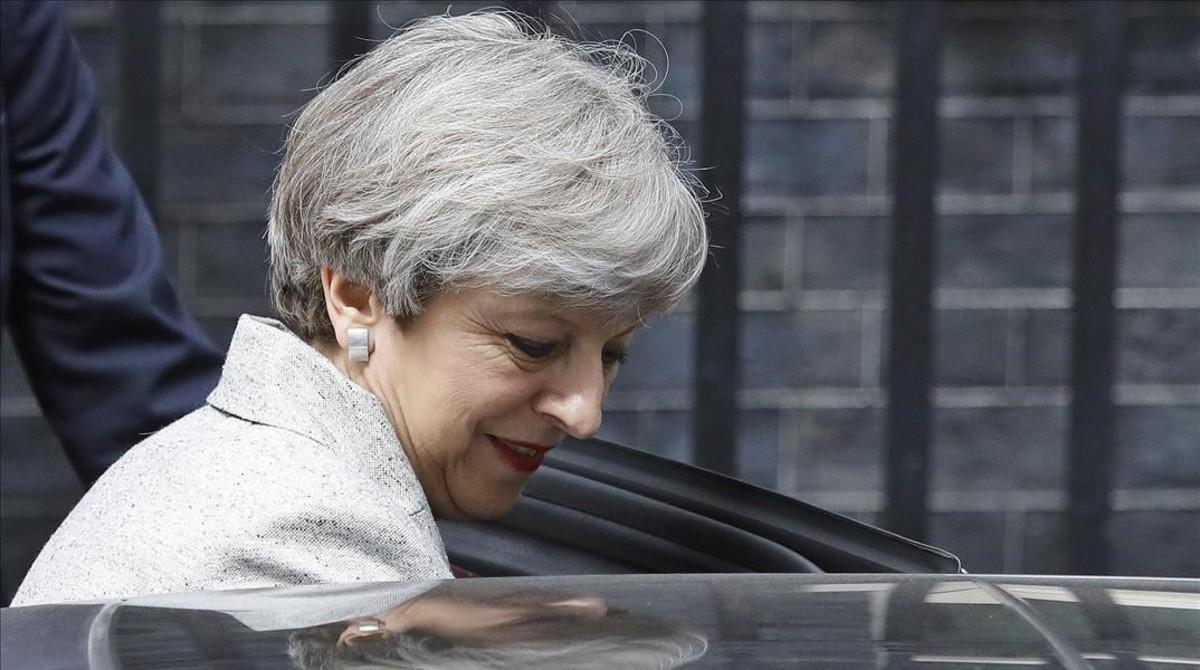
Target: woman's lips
[{"x": 522, "y": 456}]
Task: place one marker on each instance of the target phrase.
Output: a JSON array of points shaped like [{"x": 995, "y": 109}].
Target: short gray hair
[{"x": 476, "y": 152}]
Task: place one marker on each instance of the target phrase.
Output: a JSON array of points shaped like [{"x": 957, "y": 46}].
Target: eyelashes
[
  {"x": 540, "y": 350},
  {"x": 535, "y": 349},
  {"x": 615, "y": 356}
]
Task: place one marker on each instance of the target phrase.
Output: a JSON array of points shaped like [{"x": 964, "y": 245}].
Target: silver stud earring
[
  {"x": 358, "y": 344},
  {"x": 373, "y": 626}
]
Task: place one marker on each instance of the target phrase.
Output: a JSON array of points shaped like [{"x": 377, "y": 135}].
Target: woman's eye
[
  {"x": 531, "y": 348},
  {"x": 615, "y": 357}
]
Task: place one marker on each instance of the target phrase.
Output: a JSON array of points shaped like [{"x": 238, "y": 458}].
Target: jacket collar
[{"x": 274, "y": 378}]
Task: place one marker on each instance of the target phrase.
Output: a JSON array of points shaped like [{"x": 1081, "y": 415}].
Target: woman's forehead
[{"x": 549, "y": 309}]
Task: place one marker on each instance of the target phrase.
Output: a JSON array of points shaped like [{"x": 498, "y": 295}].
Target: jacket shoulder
[
  {"x": 218, "y": 444},
  {"x": 165, "y": 515}
]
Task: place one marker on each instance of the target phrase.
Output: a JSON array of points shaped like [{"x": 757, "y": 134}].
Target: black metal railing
[
  {"x": 1090, "y": 452},
  {"x": 914, "y": 181},
  {"x": 718, "y": 319}
]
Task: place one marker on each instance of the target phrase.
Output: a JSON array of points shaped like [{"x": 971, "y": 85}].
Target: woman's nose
[{"x": 573, "y": 400}]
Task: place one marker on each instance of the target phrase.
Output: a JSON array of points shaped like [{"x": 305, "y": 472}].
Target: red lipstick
[{"x": 522, "y": 456}]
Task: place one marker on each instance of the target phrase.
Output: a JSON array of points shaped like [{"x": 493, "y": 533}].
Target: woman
[{"x": 465, "y": 232}]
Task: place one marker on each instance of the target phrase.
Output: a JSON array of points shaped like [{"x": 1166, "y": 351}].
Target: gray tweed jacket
[{"x": 290, "y": 475}]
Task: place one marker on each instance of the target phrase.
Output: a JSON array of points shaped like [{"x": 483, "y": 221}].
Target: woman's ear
[{"x": 349, "y": 304}]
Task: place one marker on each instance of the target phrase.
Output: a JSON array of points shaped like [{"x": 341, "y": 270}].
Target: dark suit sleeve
[{"x": 109, "y": 351}]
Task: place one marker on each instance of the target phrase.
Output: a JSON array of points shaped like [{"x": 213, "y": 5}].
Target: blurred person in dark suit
[{"x": 109, "y": 351}]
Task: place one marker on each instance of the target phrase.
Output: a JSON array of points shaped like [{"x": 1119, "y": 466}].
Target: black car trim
[
  {"x": 675, "y": 524},
  {"x": 834, "y": 542}
]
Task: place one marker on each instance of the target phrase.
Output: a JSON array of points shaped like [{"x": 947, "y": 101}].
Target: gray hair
[{"x": 474, "y": 152}]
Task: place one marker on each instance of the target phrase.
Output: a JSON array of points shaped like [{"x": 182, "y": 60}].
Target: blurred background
[{"x": 813, "y": 229}]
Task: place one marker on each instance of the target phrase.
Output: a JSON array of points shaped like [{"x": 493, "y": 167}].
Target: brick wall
[{"x": 814, "y": 273}]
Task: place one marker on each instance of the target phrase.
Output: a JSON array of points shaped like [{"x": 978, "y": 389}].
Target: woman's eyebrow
[
  {"x": 535, "y": 314},
  {"x": 531, "y": 313},
  {"x": 543, "y": 313}
]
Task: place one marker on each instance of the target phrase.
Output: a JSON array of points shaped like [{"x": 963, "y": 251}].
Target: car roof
[{"x": 727, "y": 620}]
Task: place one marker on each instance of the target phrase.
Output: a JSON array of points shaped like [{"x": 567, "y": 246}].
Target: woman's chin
[
  {"x": 482, "y": 508},
  {"x": 498, "y": 510}
]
